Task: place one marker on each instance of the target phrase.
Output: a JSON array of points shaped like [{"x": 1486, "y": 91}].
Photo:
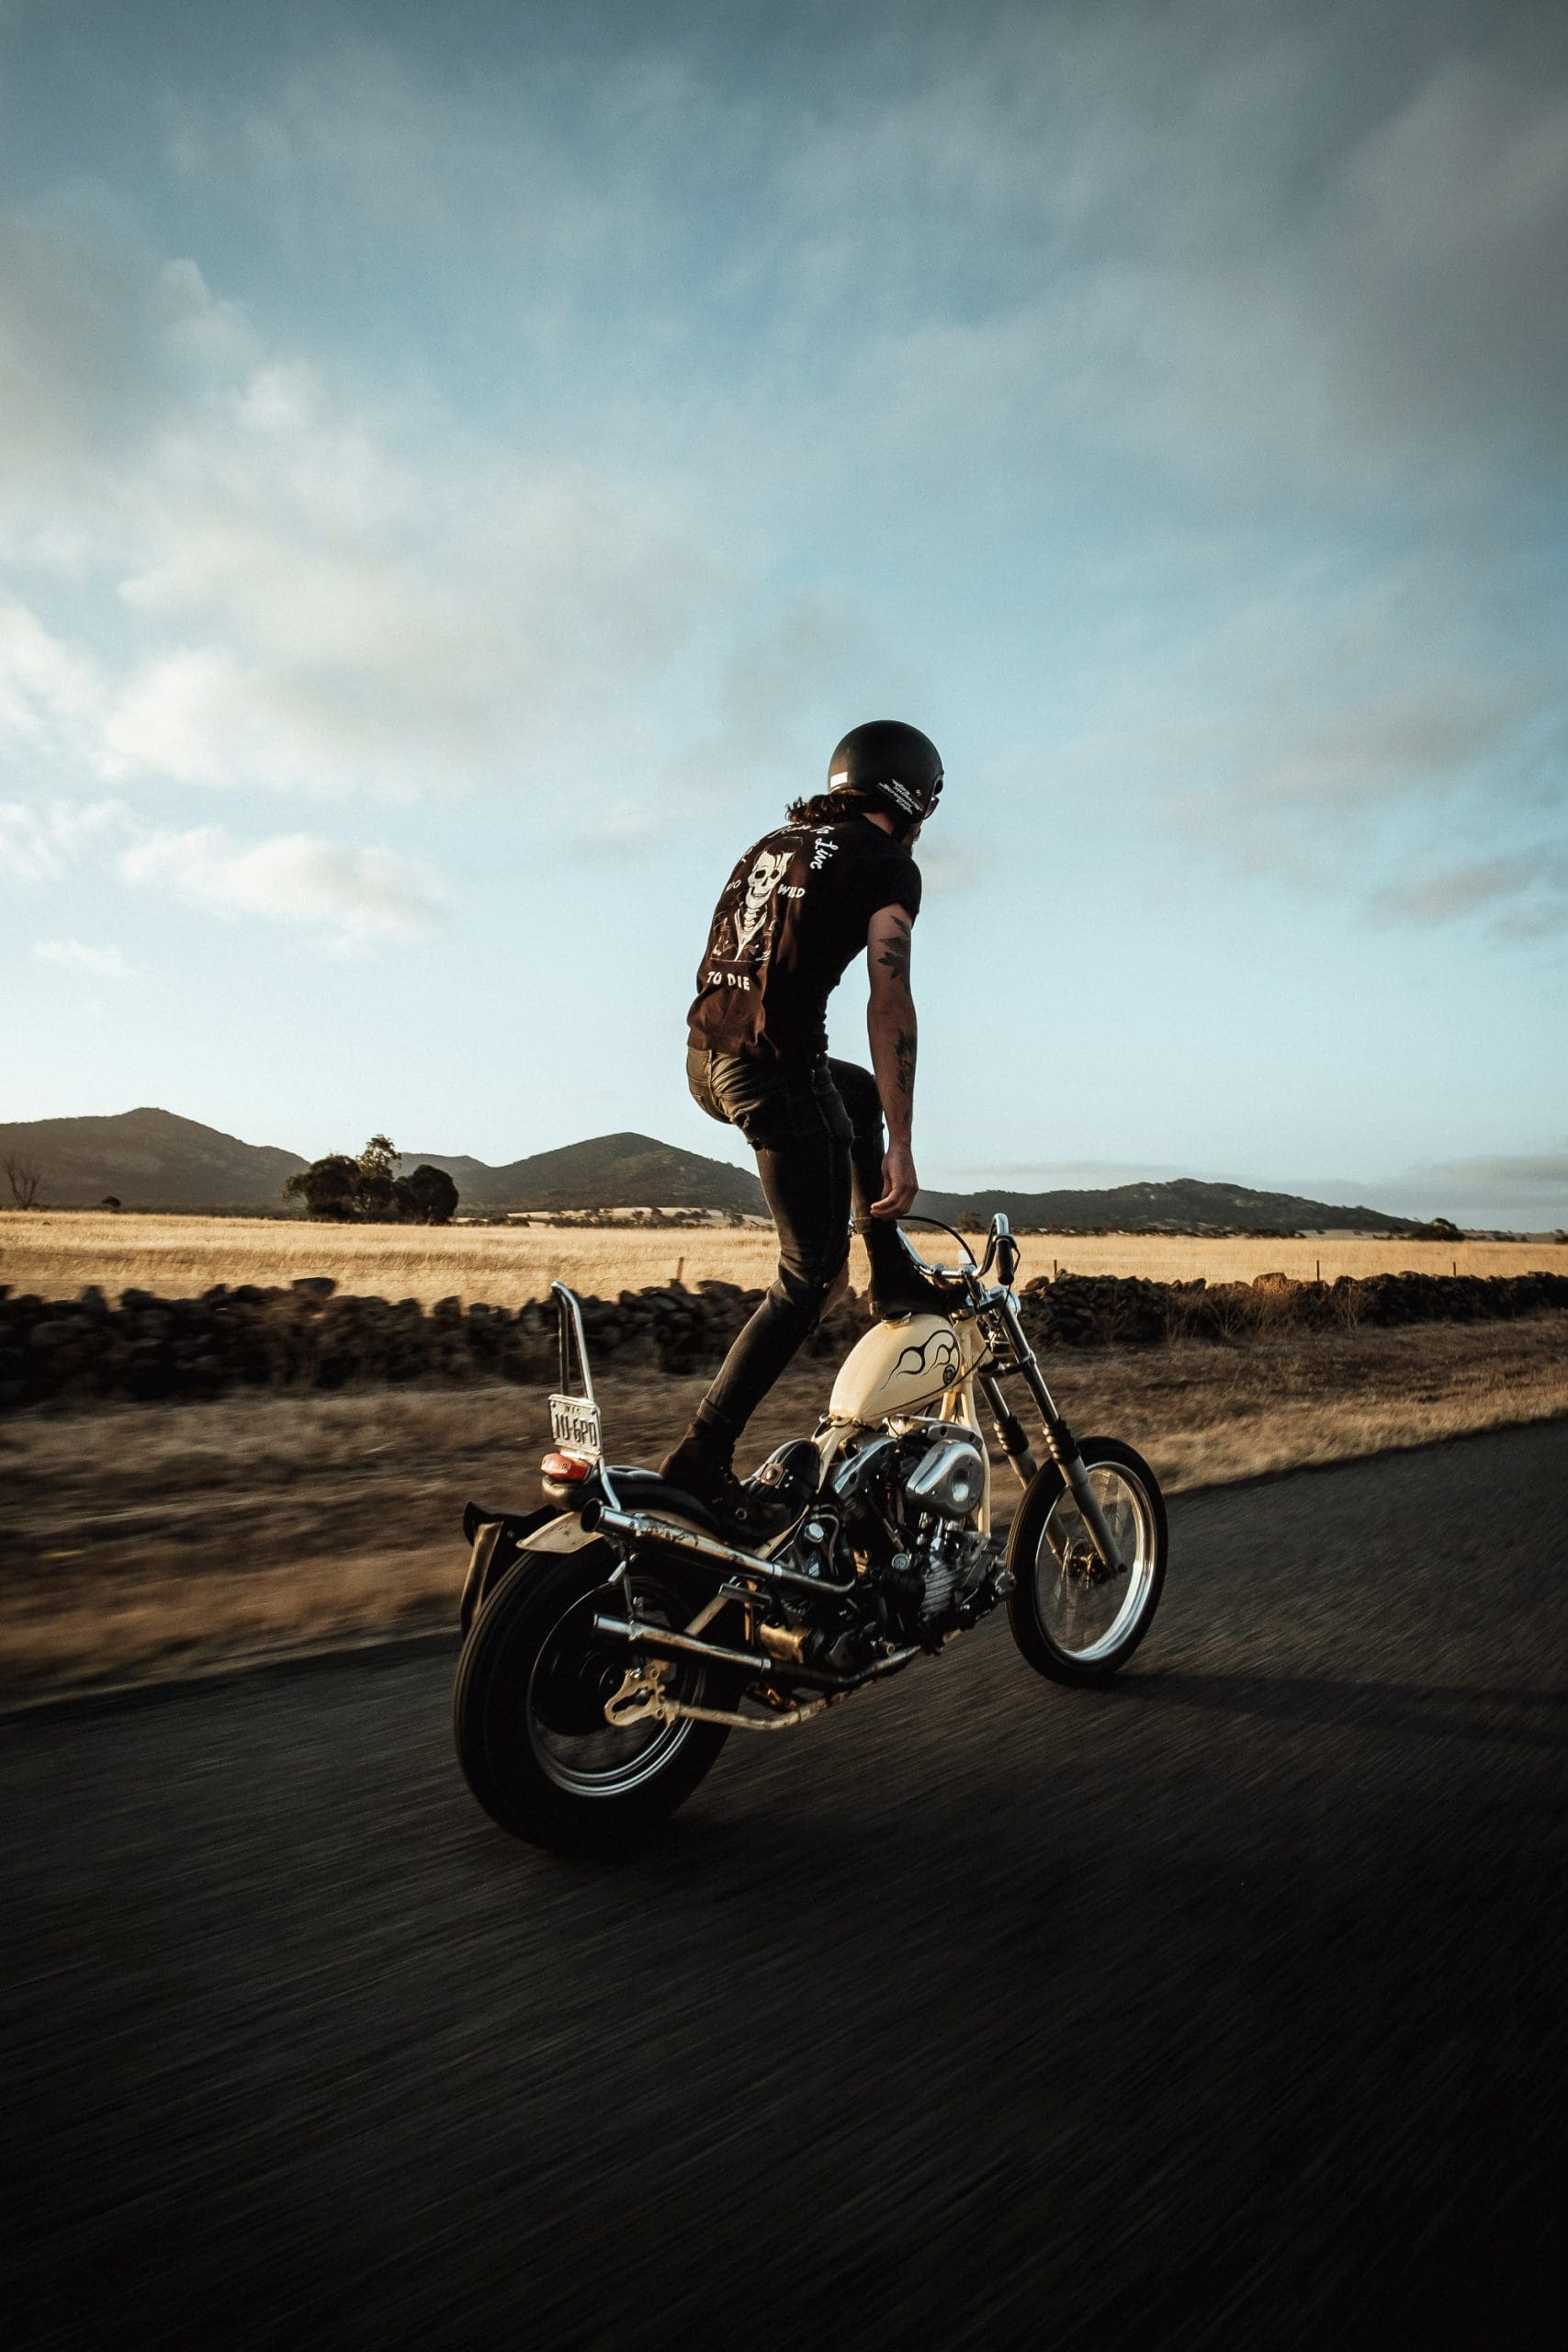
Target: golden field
[
  {"x": 155, "y": 1539},
  {"x": 56, "y": 1253},
  {"x": 146, "y": 1539}
]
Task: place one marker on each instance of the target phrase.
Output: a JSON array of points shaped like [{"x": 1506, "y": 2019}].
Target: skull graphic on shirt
[{"x": 769, "y": 871}]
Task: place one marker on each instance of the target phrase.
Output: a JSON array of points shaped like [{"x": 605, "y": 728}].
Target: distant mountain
[
  {"x": 152, "y": 1159},
  {"x": 1182, "y": 1205},
  {"x": 625, "y": 1171},
  {"x": 148, "y": 1160}
]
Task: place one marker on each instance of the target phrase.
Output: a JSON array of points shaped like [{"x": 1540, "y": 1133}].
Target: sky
[{"x": 461, "y": 471}]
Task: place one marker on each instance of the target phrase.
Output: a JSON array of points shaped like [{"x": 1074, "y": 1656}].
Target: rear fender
[{"x": 498, "y": 1538}]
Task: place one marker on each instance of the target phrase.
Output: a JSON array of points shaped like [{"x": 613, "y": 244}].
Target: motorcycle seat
[{"x": 646, "y": 1491}]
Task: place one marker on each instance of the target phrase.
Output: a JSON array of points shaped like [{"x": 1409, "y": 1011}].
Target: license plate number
[{"x": 574, "y": 1424}]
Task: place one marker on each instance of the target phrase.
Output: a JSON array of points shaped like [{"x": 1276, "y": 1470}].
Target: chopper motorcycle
[{"x": 615, "y": 1637}]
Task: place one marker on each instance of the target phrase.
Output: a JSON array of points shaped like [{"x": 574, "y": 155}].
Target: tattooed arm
[{"x": 890, "y": 1019}]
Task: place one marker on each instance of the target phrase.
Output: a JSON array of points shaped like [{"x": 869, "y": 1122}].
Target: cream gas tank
[{"x": 903, "y": 1367}]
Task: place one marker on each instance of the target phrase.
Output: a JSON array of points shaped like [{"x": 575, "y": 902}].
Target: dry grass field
[
  {"x": 56, "y": 1253},
  {"x": 151, "y": 1538},
  {"x": 154, "y": 1539}
]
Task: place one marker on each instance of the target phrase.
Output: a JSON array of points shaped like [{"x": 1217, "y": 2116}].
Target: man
[{"x": 836, "y": 878}]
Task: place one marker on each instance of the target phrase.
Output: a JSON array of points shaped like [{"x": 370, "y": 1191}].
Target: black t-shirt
[{"x": 792, "y": 918}]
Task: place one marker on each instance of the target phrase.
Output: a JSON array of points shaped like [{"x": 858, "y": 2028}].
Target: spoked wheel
[
  {"x": 528, "y": 1709},
  {"x": 1072, "y": 1617}
]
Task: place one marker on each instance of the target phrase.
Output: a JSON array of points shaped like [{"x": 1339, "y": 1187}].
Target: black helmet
[{"x": 891, "y": 763}]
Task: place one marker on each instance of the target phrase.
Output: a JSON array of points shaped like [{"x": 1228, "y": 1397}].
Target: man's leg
[
  {"x": 896, "y": 1287},
  {"x": 806, "y": 1183}
]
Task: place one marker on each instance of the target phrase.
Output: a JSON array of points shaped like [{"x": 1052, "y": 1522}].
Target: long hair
[{"x": 832, "y": 807}]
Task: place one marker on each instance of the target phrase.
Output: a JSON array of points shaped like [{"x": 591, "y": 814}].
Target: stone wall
[{"x": 308, "y": 1337}]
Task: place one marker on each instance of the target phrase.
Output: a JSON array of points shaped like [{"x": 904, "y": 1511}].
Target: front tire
[
  {"x": 1072, "y": 1621},
  {"x": 528, "y": 1710}
]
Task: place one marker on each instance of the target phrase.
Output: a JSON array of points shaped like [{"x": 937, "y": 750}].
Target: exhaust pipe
[
  {"x": 658, "y": 1637},
  {"x": 639, "y": 1527},
  {"x": 660, "y": 1640}
]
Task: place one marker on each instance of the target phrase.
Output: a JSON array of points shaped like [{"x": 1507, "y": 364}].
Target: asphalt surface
[{"x": 1223, "y": 2006}]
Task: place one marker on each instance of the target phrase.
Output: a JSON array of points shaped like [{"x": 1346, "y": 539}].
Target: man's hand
[{"x": 900, "y": 1183}]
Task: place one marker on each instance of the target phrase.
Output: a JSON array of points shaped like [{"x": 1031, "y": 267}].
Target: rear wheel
[
  {"x": 1073, "y": 1618},
  {"x": 528, "y": 1709}
]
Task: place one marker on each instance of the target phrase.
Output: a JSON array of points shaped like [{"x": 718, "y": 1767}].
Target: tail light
[{"x": 565, "y": 1469}]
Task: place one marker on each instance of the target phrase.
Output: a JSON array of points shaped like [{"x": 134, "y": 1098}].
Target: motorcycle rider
[{"x": 834, "y": 878}]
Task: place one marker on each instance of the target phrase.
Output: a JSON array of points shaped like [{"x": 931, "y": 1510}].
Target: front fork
[{"x": 1060, "y": 1442}]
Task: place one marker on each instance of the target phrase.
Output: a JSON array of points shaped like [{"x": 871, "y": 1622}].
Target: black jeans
[{"x": 816, "y": 1127}]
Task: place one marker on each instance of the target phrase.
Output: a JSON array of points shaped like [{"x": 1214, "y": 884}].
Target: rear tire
[
  {"x": 1071, "y": 1621},
  {"x": 527, "y": 1710}
]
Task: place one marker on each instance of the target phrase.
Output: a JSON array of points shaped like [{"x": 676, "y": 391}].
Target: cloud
[
  {"x": 1528, "y": 891},
  {"x": 72, "y": 356},
  {"x": 784, "y": 690},
  {"x": 1447, "y": 251},
  {"x": 75, "y": 955},
  {"x": 1515, "y": 1190},
  {"x": 1524, "y": 1168},
  {"x": 287, "y": 591},
  {"x": 40, "y": 844},
  {"x": 51, "y": 693},
  {"x": 1344, "y": 722},
  {"x": 1257, "y": 321},
  {"x": 1258, "y": 253},
  {"x": 1267, "y": 311},
  {"x": 358, "y": 900}
]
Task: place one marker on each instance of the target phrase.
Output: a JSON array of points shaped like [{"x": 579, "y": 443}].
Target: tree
[
  {"x": 427, "y": 1197},
  {"x": 26, "y": 1180},
  {"x": 346, "y": 1190},
  {"x": 109, "y": 1200},
  {"x": 377, "y": 1191},
  {"x": 329, "y": 1188},
  {"x": 376, "y": 1197}
]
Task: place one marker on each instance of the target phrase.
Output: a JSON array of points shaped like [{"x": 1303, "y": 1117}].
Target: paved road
[{"x": 1222, "y": 2007}]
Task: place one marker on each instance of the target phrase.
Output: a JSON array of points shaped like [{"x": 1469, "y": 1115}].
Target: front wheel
[
  {"x": 528, "y": 1709},
  {"x": 1073, "y": 1618}
]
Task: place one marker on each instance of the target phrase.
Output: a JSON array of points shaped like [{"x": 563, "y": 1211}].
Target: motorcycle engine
[
  {"x": 949, "y": 1479},
  {"x": 908, "y": 1494}
]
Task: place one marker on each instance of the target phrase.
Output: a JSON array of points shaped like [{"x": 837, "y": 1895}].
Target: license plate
[{"x": 574, "y": 1424}]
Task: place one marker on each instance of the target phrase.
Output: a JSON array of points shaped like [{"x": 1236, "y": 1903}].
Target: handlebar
[{"x": 1001, "y": 1251}]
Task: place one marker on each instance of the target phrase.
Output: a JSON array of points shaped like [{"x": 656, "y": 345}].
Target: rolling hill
[
  {"x": 1181, "y": 1206},
  {"x": 152, "y": 1159},
  {"x": 148, "y": 1160},
  {"x": 623, "y": 1171}
]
